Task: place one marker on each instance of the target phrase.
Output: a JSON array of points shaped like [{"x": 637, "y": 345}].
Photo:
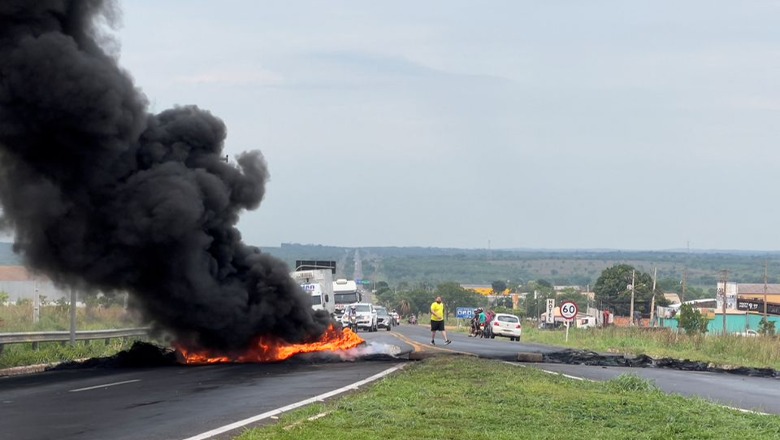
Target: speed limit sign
[{"x": 569, "y": 309}]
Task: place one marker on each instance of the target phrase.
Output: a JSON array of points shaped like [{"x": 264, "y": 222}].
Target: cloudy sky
[{"x": 534, "y": 124}]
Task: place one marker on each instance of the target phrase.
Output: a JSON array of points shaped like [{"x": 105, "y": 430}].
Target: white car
[
  {"x": 366, "y": 316},
  {"x": 507, "y": 325}
]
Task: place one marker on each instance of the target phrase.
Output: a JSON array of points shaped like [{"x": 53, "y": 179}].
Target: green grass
[
  {"x": 18, "y": 318},
  {"x": 15, "y": 355},
  {"x": 466, "y": 398}
]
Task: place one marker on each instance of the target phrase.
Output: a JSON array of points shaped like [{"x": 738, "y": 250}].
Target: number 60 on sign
[{"x": 568, "y": 310}]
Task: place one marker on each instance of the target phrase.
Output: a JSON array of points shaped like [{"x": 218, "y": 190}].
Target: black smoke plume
[{"x": 103, "y": 195}]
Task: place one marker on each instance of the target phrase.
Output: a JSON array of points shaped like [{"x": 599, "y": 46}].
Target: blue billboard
[{"x": 464, "y": 313}]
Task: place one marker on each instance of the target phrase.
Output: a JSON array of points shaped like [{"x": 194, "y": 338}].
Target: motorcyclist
[
  {"x": 482, "y": 319},
  {"x": 352, "y": 317},
  {"x": 475, "y": 330}
]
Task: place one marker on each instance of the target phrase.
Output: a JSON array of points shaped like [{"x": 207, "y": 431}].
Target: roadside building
[
  {"x": 672, "y": 297},
  {"x": 19, "y": 283}
]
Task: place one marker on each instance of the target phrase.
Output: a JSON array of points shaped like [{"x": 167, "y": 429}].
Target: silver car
[{"x": 383, "y": 319}]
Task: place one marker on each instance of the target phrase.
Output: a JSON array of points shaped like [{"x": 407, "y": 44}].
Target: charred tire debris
[
  {"x": 585, "y": 357},
  {"x": 148, "y": 355},
  {"x": 591, "y": 358}
]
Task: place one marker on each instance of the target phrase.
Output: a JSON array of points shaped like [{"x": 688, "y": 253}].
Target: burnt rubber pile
[{"x": 585, "y": 357}]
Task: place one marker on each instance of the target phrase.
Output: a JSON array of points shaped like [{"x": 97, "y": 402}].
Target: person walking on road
[{"x": 437, "y": 321}]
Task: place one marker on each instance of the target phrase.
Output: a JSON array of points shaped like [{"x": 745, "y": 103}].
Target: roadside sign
[
  {"x": 464, "y": 313},
  {"x": 550, "y": 309},
  {"x": 569, "y": 310}
]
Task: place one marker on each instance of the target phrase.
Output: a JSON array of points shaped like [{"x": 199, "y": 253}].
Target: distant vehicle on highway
[
  {"x": 383, "y": 319},
  {"x": 507, "y": 325},
  {"x": 345, "y": 292}
]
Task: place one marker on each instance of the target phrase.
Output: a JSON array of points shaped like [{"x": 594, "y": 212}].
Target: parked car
[
  {"x": 507, "y": 325},
  {"x": 748, "y": 332},
  {"x": 383, "y": 319},
  {"x": 366, "y": 317}
]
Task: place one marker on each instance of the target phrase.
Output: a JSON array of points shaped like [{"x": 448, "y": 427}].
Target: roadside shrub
[
  {"x": 692, "y": 321},
  {"x": 766, "y": 327},
  {"x": 631, "y": 383}
]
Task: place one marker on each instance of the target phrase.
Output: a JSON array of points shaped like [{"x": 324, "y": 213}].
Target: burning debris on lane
[
  {"x": 349, "y": 348},
  {"x": 271, "y": 349},
  {"x": 102, "y": 195}
]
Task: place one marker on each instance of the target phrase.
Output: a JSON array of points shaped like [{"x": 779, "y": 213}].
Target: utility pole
[
  {"x": 685, "y": 272},
  {"x": 765, "y": 285},
  {"x": 73, "y": 299},
  {"x": 633, "y": 289},
  {"x": 652, "y": 302},
  {"x": 36, "y": 302},
  {"x": 723, "y": 304}
]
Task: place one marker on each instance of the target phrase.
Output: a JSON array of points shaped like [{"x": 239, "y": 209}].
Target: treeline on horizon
[{"x": 413, "y": 265}]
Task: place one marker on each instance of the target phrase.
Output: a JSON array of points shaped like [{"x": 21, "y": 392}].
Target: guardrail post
[
  {"x": 2, "y": 346},
  {"x": 35, "y": 346}
]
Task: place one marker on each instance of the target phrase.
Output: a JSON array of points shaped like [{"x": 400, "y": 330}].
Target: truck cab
[{"x": 345, "y": 292}]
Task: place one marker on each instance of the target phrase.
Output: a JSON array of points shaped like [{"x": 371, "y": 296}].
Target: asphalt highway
[{"x": 218, "y": 401}]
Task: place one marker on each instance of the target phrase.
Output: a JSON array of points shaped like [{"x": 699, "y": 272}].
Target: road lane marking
[
  {"x": 415, "y": 345},
  {"x": 423, "y": 347},
  {"x": 103, "y": 386},
  {"x": 276, "y": 412}
]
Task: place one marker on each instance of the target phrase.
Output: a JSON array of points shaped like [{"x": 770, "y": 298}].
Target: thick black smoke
[{"x": 102, "y": 194}]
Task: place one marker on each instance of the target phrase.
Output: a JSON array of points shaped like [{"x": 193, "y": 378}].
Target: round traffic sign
[{"x": 569, "y": 309}]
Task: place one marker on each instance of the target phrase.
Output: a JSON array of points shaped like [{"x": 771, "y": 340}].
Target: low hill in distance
[
  {"x": 414, "y": 265},
  {"x": 703, "y": 269}
]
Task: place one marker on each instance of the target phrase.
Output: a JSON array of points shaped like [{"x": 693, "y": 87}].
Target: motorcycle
[
  {"x": 412, "y": 320},
  {"x": 353, "y": 323}
]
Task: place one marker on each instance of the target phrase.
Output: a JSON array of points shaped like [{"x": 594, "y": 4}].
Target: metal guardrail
[{"x": 64, "y": 336}]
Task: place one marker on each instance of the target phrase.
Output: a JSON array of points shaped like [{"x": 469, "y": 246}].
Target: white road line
[
  {"x": 272, "y": 413},
  {"x": 555, "y": 373},
  {"x": 104, "y": 386}
]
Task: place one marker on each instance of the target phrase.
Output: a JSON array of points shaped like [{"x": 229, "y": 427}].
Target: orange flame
[{"x": 270, "y": 349}]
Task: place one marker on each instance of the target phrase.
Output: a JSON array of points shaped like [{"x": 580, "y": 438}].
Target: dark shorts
[{"x": 437, "y": 326}]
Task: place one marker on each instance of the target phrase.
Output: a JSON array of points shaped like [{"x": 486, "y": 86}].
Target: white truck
[
  {"x": 345, "y": 292},
  {"x": 317, "y": 281}
]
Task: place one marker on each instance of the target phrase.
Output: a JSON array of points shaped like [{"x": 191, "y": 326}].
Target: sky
[{"x": 642, "y": 125}]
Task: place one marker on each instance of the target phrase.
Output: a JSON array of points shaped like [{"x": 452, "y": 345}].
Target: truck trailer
[{"x": 316, "y": 279}]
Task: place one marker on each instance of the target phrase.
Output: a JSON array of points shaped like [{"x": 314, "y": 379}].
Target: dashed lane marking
[{"x": 105, "y": 385}]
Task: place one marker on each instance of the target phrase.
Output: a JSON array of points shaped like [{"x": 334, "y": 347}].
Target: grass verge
[
  {"x": 466, "y": 398},
  {"x": 16, "y": 355}
]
